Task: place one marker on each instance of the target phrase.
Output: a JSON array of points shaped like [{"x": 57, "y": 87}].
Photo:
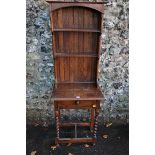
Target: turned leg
[
  {"x": 96, "y": 122},
  {"x": 57, "y": 126},
  {"x": 92, "y": 115}
]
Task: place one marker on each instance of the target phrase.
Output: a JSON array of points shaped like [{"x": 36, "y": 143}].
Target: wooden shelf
[
  {"x": 76, "y": 55},
  {"x": 76, "y": 30},
  {"x": 69, "y": 91}
]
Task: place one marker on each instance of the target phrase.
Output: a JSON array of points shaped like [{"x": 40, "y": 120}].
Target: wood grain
[{"x": 76, "y": 29}]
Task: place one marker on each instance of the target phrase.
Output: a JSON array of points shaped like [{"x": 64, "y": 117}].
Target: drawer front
[{"x": 79, "y": 104}]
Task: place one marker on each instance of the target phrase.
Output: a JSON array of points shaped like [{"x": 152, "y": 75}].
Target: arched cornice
[{"x": 95, "y": 6}]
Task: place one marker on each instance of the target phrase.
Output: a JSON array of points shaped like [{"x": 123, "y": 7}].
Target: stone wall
[{"x": 113, "y": 69}]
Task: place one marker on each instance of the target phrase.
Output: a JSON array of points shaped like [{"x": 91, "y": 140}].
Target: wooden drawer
[{"x": 77, "y": 104}]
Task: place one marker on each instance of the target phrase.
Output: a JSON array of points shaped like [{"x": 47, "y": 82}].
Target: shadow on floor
[{"x": 40, "y": 139}]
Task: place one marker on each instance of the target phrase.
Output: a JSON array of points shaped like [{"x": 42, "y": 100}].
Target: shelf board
[
  {"x": 69, "y": 91},
  {"x": 76, "y": 30},
  {"x": 76, "y": 55}
]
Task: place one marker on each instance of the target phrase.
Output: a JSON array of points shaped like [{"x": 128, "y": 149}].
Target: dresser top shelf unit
[{"x": 76, "y": 28}]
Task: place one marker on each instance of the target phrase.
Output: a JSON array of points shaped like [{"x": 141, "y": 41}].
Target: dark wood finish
[
  {"x": 98, "y": 6},
  {"x": 73, "y": 124},
  {"x": 77, "y": 104},
  {"x": 68, "y": 69},
  {"x": 92, "y": 118},
  {"x": 75, "y": 140},
  {"x": 96, "y": 123},
  {"x": 69, "y": 92},
  {"x": 75, "y": 55},
  {"x": 76, "y": 29}
]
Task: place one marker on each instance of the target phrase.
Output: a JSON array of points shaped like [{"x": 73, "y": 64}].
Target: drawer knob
[
  {"x": 77, "y": 102},
  {"x": 94, "y": 105}
]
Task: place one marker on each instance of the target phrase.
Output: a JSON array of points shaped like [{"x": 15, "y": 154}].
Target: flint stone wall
[{"x": 113, "y": 68}]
